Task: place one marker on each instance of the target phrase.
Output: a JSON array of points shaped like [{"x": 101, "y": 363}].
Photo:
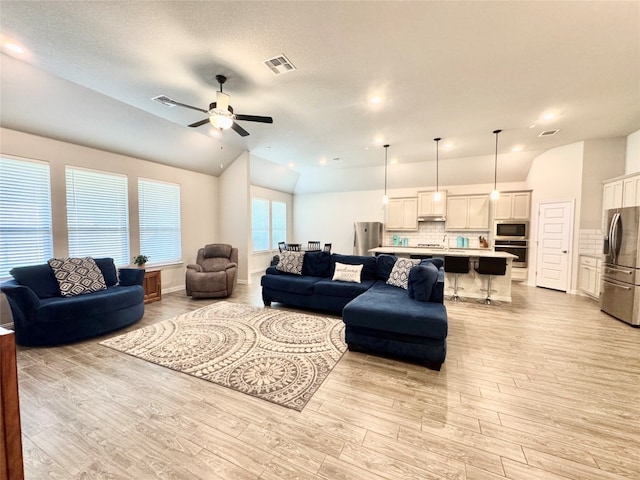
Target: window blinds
[{"x": 159, "y": 212}]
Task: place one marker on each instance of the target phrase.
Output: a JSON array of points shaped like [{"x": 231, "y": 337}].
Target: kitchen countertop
[{"x": 456, "y": 252}]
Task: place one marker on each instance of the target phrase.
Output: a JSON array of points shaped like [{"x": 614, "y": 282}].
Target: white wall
[
  {"x": 555, "y": 176},
  {"x": 199, "y": 225},
  {"x": 234, "y": 210},
  {"x": 260, "y": 261},
  {"x": 632, "y": 163}
]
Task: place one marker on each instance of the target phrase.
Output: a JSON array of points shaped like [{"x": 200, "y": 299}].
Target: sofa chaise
[
  {"x": 45, "y": 315},
  {"x": 379, "y": 317}
]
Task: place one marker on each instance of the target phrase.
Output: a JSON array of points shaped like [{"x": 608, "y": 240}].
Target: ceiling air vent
[
  {"x": 548, "y": 133},
  {"x": 164, "y": 100},
  {"x": 279, "y": 65}
]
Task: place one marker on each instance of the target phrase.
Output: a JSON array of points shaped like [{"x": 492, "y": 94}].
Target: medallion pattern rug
[{"x": 276, "y": 355}]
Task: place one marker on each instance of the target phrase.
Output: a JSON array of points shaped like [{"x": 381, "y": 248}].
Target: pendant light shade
[
  {"x": 436, "y": 195},
  {"x": 495, "y": 194},
  {"x": 385, "y": 199}
]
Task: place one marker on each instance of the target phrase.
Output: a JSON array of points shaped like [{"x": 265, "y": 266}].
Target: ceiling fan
[{"x": 221, "y": 113}]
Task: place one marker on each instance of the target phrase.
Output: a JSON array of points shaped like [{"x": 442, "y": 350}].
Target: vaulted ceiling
[{"x": 456, "y": 70}]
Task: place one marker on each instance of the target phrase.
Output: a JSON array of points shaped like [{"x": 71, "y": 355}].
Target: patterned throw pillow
[
  {"x": 77, "y": 276},
  {"x": 291, "y": 262},
  {"x": 399, "y": 276},
  {"x": 347, "y": 273}
]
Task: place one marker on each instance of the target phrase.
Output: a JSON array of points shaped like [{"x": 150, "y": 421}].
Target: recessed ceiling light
[
  {"x": 394, "y": 161},
  {"x": 548, "y": 116},
  {"x": 379, "y": 140},
  {"x": 323, "y": 161},
  {"x": 375, "y": 100},
  {"x": 14, "y": 48},
  {"x": 448, "y": 145},
  {"x": 291, "y": 164},
  {"x": 517, "y": 148}
]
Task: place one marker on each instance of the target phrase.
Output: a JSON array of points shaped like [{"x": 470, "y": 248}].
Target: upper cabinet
[
  {"x": 402, "y": 214},
  {"x": 623, "y": 192},
  {"x": 467, "y": 212},
  {"x": 513, "y": 206},
  {"x": 429, "y": 207}
]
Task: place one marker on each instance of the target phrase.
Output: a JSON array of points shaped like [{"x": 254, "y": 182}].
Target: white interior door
[{"x": 555, "y": 222}]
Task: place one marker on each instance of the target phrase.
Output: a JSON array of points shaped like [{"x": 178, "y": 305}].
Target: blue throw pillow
[
  {"x": 108, "y": 269},
  {"x": 422, "y": 279},
  {"x": 316, "y": 264},
  {"x": 438, "y": 262},
  {"x": 384, "y": 265},
  {"x": 38, "y": 278}
]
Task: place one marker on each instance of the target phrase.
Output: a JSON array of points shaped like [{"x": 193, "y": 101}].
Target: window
[
  {"x": 25, "y": 214},
  {"x": 97, "y": 215},
  {"x": 278, "y": 223},
  {"x": 159, "y": 211},
  {"x": 265, "y": 227},
  {"x": 260, "y": 224}
]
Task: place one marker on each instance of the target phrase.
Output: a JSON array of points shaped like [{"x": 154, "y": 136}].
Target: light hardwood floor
[{"x": 545, "y": 388}]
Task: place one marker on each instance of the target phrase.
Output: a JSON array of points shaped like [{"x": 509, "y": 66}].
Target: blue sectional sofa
[
  {"x": 379, "y": 318},
  {"x": 43, "y": 317}
]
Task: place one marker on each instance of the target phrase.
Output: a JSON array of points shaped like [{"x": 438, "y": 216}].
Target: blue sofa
[
  {"x": 378, "y": 317},
  {"x": 43, "y": 317}
]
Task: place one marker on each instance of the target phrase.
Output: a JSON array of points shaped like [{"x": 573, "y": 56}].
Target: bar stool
[
  {"x": 456, "y": 265},
  {"x": 492, "y": 267}
]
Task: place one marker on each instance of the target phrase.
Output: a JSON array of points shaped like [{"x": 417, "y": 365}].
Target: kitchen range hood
[{"x": 431, "y": 218}]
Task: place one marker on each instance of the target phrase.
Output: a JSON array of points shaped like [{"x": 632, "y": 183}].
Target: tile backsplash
[
  {"x": 434, "y": 233},
  {"x": 590, "y": 241}
]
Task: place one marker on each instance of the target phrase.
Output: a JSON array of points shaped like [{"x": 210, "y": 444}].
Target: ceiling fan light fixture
[{"x": 221, "y": 121}]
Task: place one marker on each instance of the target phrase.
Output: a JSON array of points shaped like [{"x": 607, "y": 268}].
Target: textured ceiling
[{"x": 456, "y": 70}]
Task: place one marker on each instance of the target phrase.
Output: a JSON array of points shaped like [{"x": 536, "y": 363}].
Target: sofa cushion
[
  {"x": 316, "y": 264},
  {"x": 342, "y": 289},
  {"x": 290, "y": 283},
  {"x": 214, "y": 250},
  {"x": 368, "y": 264},
  {"x": 347, "y": 273},
  {"x": 291, "y": 262},
  {"x": 108, "y": 269},
  {"x": 438, "y": 262},
  {"x": 384, "y": 265},
  {"x": 77, "y": 276},
  {"x": 38, "y": 278},
  {"x": 397, "y": 313},
  {"x": 399, "y": 276},
  {"x": 422, "y": 279}
]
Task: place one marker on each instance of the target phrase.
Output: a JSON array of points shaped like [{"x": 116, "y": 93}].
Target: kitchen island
[{"x": 469, "y": 285}]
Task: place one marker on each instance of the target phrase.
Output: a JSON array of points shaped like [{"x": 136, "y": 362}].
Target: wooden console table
[
  {"x": 152, "y": 286},
  {"x": 11, "y": 465}
]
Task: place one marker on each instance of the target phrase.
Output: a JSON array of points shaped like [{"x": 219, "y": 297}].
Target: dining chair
[
  {"x": 313, "y": 246},
  {"x": 293, "y": 247},
  {"x": 282, "y": 246},
  {"x": 327, "y": 247}
]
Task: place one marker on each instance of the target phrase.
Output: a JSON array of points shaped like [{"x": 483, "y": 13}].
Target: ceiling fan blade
[
  {"x": 254, "y": 118},
  {"x": 189, "y": 106},
  {"x": 241, "y": 131},
  {"x": 222, "y": 101},
  {"x": 200, "y": 123}
]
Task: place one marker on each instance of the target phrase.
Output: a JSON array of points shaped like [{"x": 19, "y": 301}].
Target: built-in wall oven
[
  {"x": 519, "y": 248},
  {"x": 512, "y": 236}
]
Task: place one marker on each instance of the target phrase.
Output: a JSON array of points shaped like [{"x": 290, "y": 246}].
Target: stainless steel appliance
[
  {"x": 510, "y": 229},
  {"x": 620, "y": 288},
  {"x": 366, "y": 235},
  {"x": 519, "y": 248}
]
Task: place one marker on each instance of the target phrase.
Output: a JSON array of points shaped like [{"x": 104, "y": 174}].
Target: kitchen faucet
[{"x": 444, "y": 245}]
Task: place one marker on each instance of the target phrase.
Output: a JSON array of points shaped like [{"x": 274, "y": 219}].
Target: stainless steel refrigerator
[
  {"x": 366, "y": 235},
  {"x": 620, "y": 289}
]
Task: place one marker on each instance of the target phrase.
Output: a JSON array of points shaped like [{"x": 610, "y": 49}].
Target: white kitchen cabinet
[
  {"x": 428, "y": 206},
  {"x": 631, "y": 191},
  {"x": 402, "y": 214},
  {"x": 621, "y": 192},
  {"x": 589, "y": 276},
  {"x": 467, "y": 212},
  {"x": 513, "y": 206}
]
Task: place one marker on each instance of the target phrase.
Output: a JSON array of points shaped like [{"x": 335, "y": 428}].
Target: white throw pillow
[
  {"x": 291, "y": 262},
  {"x": 347, "y": 273},
  {"x": 399, "y": 276}
]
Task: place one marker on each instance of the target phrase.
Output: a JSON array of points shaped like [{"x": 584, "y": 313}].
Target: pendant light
[
  {"x": 436, "y": 195},
  {"x": 495, "y": 194},
  {"x": 385, "y": 199}
]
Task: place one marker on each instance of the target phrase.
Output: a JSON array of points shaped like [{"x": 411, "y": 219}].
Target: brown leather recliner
[{"x": 215, "y": 273}]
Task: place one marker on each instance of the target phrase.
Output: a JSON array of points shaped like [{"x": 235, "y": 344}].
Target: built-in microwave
[{"x": 511, "y": 230}]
